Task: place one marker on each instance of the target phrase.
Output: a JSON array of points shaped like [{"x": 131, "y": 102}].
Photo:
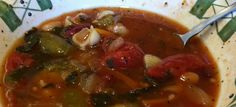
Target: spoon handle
[{"x": 206, "y": 22}]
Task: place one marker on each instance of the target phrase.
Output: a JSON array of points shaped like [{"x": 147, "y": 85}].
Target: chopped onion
[
  {"x": 86, "y": 37},
  {"x": 117, "y": 43},
  {"x": 151, "y": 60},
  {"x": 49, "y": 26},
  {"x": 197, "y": 95},
  {"x": 119, "y": 29},
  {"x": 90, "y": 83},
  {"x": 94, "y": 36},
  {"x": 100, "y": 15}
]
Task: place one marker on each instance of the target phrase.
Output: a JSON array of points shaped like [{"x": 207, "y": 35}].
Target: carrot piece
[
  {"x": 105, "y": 33},
  {"x": 155, "y": 102}
]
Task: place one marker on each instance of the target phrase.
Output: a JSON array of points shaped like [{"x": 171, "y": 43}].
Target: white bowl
[{"x": 33, "y": 12}]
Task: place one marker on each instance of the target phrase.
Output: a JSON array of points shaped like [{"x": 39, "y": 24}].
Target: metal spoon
[{"x": 198, "y": 28}]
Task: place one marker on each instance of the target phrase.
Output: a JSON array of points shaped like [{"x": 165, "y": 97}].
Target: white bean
[
  {"x": 151, "y": 60},
  {"x": 190, "y": 77}
]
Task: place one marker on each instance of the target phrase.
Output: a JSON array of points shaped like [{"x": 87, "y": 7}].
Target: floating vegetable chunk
[
  {"x": 86, "y": 37},
  {"x": 177, "y": 65},
  {"x": 53, "y": 44},
  {"x": 128, "y": 55}
]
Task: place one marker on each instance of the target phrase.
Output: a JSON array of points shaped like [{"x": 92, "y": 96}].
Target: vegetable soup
[{"x": 109, "y": 57}]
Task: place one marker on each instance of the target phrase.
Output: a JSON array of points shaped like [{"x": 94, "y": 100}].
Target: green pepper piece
[
  {"x": 105, "y": 21},
  {"x": 53, "y": 44},
  {"x": 74, "y": 98}
]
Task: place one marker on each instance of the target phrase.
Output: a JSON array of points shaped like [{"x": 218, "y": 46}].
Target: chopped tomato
[
  {"x": 177, "y": 65},
  {"x": 18, "y": 60},
  {"x": 128, "y": 55}
]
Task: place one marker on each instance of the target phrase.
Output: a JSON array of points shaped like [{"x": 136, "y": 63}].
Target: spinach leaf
[
  {"x": 19, "y": 74},
  {"x": 31, "y": 38},
  {"x": 15, "y": 76}
]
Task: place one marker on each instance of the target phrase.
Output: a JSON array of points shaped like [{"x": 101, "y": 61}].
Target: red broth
[{"x": 135, "y": 60}]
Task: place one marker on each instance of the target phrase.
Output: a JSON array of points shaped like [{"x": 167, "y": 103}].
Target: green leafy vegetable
[
  {"x": 58, "y": 31},
  {"x": 150, "y": 80},
  {"x": 74, "y": 98},
  {"x": 64, "y": 65},
  {"x": 31, "y": 38},
  {"x": 101, "y": 99},
  {"x": 72, "y": 78},
  {"x": 15, "y": 76},
  {"x": 53, "y": 44},
  {"x": 105, "y": 21},
  {"x": 140, "y": 91},
  {"x": 69, "y": 69}
]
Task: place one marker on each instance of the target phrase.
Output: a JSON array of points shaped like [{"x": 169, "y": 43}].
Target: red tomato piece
[
  {"x": 128, "y": 55},
  {"x": 177, "y": 65},
  {"x": 18, "y": 60}
]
